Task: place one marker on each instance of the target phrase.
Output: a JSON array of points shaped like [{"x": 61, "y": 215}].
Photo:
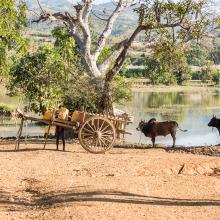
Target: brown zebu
[{"x": 152, "y": 129}]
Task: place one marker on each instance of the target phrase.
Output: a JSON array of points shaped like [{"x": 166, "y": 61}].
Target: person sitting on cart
[{"x": 62, "y": 114}]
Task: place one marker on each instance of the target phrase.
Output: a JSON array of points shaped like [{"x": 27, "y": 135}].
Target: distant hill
[
  {"x": 122, "y": 28},
  {"x": 52, "y": 5}
]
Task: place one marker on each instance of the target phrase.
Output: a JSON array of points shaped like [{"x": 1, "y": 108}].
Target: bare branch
[
  {"x": 105, "y": 65},
  {"x": 103, "y": 19},
  {"x": 77, "y": 39},
  {"x": 56, "y": 16},
  {"x": 42, "y": 10},
  {"x": 83, "y": 25},
  {"x": 121, "y": 57},
  {"x": 107, "y": 31},
  {"x": 86, "y": 9}
]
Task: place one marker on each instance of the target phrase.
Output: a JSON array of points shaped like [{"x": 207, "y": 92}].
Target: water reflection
[
  {"x": 191, "y": 110},
  {"x": 30, "y": 129}
]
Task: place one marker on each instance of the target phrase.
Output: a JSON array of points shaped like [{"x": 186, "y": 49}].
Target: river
[{"x": 191, "y": 109}]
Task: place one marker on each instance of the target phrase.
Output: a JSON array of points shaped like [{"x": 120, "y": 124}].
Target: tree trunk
[{"x": 105, "y": 105}]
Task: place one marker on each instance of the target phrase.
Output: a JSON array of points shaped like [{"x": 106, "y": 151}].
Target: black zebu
[{"x": 215, "y": 122}]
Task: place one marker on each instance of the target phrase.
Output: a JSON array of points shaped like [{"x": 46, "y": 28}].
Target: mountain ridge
[{"x": 126, "y": 21}]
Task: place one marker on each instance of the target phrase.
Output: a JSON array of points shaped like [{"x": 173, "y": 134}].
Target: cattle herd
[{"x": 152, "y": 128}]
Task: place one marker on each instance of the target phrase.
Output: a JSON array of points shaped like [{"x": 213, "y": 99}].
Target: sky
[
  {"x": 96, "y": 1},
  {"x": 104, "y": 1},
  {"x": 101, "y": 1},
  {"x": 216, "y": 2}
]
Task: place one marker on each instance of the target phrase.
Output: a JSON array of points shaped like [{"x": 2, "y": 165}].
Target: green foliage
[
  {"x": 133, "y": 72},
  {"x": 5, "y": 109},
  {"x": 216, "y": 77},
  {"x": 154, "y": 72},
  {"x": 197, "y": 56},
  {"x": 206, "y": 71},
  {"x": 214, "y": 55},
  {"x": 196, "y": 75},
  {"x": 182, "y": 73},
  {"x": 82, "y": 92},
  {"x": 66, "y": 46},
  {"x": 137, "y": 60},
  {"x": 12, "y": 22},
  {"x": 120, "y": 90},
  {"x": 153, "y": 13},
  {"x": 40, "y": 77},
  {"x": 169, "y": 62},
  {"x": 105, "y": 53}
]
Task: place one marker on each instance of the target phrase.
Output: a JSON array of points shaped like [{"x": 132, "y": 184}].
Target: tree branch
[
  {"x": 103, "y": 19},
  {"x": 121, "y": 57},
  {"x": 47, "y": 16},
  {"x": 42, "y": 10},
  {"x": 107, "y": 31},
  {"x": 84, "y": 26},
  {"x": 106, "y": 64},
  {"x": 86, "y": 9}
]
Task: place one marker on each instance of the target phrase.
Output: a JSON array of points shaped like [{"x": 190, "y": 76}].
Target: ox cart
[{"x": 97, "y": 133}]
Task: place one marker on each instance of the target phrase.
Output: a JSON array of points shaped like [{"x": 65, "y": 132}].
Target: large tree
[
  {"x": 12, "y": 22},
  {"x": 185, "y": 16}
]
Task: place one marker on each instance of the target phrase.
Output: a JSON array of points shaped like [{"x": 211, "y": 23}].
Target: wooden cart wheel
[{"x": 97, "y": 134}]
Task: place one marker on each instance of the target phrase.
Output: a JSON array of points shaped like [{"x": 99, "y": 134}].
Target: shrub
[{"x": 216, "y": 77}]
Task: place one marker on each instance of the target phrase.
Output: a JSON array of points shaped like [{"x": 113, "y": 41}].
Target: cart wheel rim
[{"x": 97, "y": 135}]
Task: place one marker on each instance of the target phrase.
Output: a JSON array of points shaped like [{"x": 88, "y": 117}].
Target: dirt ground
[{"x": 122, "y": 184}]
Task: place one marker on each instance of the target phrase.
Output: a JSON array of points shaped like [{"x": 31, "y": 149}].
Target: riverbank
[
  {"x": 199, "y": 150},
  {"x": 175, "y": 88},
  {"x": 122, "y": 184}
]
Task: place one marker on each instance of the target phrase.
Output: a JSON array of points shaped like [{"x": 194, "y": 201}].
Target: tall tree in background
[
  {"x": 12, "y": 22},
  {"x": 185, "y": 16}
]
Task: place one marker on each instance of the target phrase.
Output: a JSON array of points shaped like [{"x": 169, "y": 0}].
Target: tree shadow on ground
[{"x": 90, "y": 198}]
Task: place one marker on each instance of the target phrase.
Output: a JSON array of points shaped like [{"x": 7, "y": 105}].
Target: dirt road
[{"x": 122, "y": 184}]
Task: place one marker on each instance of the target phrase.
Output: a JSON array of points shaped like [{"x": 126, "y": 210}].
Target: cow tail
[{"x": 180, "y": 128}]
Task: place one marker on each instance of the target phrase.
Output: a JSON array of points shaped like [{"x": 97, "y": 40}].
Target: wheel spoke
[
  {"x": 100, "y": 143},
  {"x": 106, "y": 139},
  {"x": 86, "y": 135},
  {"x": 93, "y": 124},
  {"x": 103, "y": 122},
  {"x": 96, "y": 142},
  {"x": 88, "y": 131},
  {"x": 91, "y": 127},
  {"x": 107, "y": 134},
  {"x": 105, "y": 128},
  {"x": 97, "y": 124},
  {"x": 104, "y": 143}
]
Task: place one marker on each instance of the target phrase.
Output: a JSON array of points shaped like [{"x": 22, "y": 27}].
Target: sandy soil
[{"x": 122, "y": 184}]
